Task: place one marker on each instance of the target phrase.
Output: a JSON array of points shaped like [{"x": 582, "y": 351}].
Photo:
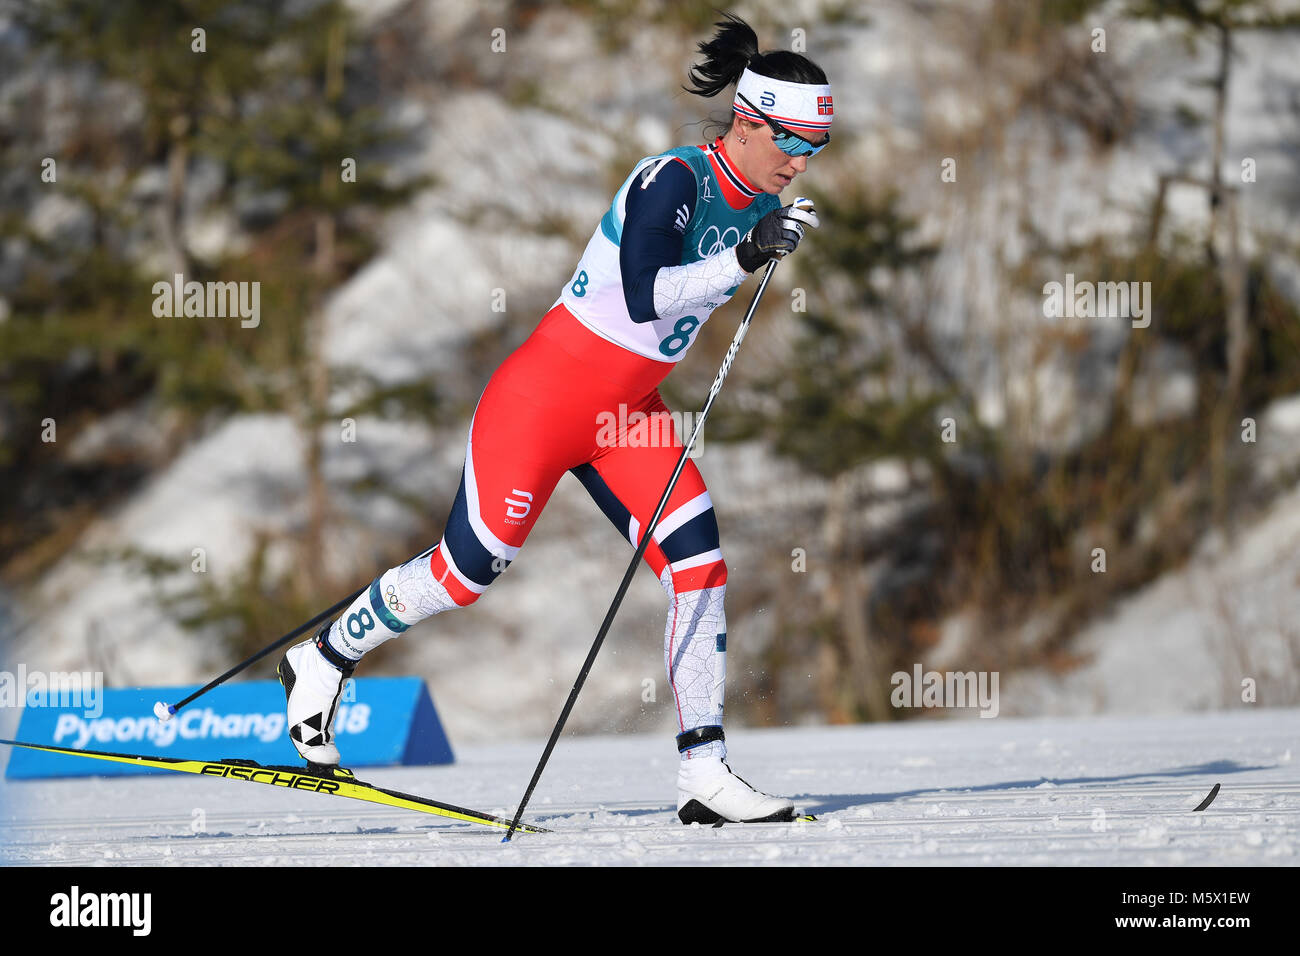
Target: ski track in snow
[{"x": 1049, "y": 791}]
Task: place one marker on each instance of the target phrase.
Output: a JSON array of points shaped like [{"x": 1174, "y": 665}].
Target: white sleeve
[{"x": 697, "y": 286}]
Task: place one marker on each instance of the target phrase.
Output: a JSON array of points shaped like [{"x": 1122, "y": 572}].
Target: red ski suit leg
[{"x": 568, "y": 400}]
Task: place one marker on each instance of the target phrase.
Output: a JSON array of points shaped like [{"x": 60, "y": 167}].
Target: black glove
[{"x": 776, "y": 235}]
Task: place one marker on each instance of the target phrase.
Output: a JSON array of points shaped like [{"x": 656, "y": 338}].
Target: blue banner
[{"x": 381, "y": 721}]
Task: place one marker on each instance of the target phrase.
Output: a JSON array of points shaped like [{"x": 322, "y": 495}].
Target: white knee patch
[{"x": 412, "y": 593}]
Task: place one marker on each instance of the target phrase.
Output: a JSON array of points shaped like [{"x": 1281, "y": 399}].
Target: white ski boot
[
  {"x": 313, "y": 675},
  {"x": 708, "y": 792}
]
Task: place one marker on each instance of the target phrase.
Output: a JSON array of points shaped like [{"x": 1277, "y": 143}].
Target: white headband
[{"x": 803, "y": 107}]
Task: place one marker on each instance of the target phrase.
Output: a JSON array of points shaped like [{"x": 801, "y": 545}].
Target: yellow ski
[{"x": 339, "y": 783}]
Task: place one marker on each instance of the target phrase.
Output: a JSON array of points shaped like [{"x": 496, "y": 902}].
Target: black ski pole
[
  {"x": 165, "y": 711},
  {"x": 640, "y": 550}
]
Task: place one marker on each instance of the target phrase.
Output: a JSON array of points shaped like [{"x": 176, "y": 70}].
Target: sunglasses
[{"x": 792, "y": 144}]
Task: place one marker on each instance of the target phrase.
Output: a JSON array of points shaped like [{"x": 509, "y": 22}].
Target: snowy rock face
[
  {"x": 58, "y": 217},
  {"x": 1219, "y": 633}
]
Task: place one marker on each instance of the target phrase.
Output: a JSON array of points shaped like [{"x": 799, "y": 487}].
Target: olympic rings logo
[
  {"x": 391, "y": 599},
  {"x": 719, "y": 242}
]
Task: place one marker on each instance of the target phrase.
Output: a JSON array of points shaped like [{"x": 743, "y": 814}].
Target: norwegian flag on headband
[{"x": 824, "y": 107}]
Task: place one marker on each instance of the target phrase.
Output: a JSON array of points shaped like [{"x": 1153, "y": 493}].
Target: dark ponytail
[
  {"x": 734, "y": 47},
  {"x": 726, "y": 57}
]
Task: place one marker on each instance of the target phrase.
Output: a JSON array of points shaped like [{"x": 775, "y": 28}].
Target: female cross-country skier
[{"x": 684, "y": 231}]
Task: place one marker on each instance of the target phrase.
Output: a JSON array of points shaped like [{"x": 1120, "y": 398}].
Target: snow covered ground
[{"x": 1049, "y": 791}]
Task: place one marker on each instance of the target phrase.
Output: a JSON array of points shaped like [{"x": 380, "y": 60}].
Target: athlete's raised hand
[{"x": 776, "y": 235}]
